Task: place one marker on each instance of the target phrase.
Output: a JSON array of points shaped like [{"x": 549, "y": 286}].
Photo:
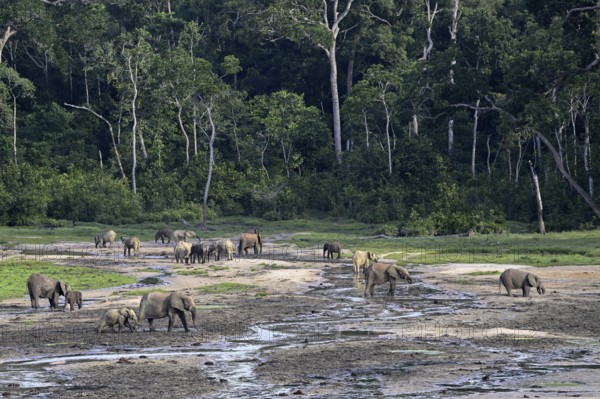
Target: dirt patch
[{"x": 300, "y": 327}]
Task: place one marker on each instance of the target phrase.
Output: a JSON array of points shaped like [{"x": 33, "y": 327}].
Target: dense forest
[{"x": 424, "y": 116}]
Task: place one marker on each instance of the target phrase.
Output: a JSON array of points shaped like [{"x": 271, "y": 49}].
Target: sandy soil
[{"x": 305, "y": 330}]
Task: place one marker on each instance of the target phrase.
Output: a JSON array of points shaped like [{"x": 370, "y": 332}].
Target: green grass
[
  {"x": 217, "y": 268},
  {"x": 192, "y": 272},
  {"x": 223, "y": 288},
  {"x": 14, "y": 275}
]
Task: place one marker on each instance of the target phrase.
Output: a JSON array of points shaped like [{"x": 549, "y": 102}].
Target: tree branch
[{"x": 573, "y": 10}]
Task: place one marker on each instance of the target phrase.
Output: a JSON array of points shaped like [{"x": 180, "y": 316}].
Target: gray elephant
[
  {"x": 379, "y": 273},
  {"x": 158, "y": 305},
  {"x": 517, "y": 279},
  {"x": 360, "y": 260},
  {"x": 40, "y": 286},
  {"x": 225, "y": 247},
  {"x": 71, "y": 299},
  {"x": 163, "y": 234},
  {"x": 130, "y": 243},
  {"x": 182, "y": 251},
  {"x": 104, "y": 237},
  {"x": 199, "y": 252},
  {"x": 124, "y": 317},
  {"x": 332, "y": 247},
  {"x": 184, "y": 235},
  {"x": 250, "y": 240}
]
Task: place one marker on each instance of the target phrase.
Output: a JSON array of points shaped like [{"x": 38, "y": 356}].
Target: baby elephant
[
  {"x": 72, "y": 298},
  {"x": 124, "y": 317},
  {"x": 517, "y": 279},
  {"x": 379, "y": 273},
  {"x": 332, "y": 247}
]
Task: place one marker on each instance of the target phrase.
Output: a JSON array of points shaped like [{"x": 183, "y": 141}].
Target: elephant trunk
[
  {"x": 194, "y": 313},
  {"x": 541, "y": 290}
]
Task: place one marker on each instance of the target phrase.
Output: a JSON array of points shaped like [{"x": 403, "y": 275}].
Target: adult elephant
[
  {"x": 104, "y": 237},
  {"x": 517, "y": 279},
  {"x": 158, "y": 305},
  {"x": 40, "y": 286},
  {"x": 332, "y": 247},
  {"x": 198, "y": 253},
  {"x": 379, "y": 273},
  {"x": 225, "y": 247},
  {"x": 130, "y": 243},
  {"x": 250, "y": 240},
  {"x": 183, "y": 251},
  {"x": 163, "y": 234},
  {"x": 361, "y": 259},
  {"x": 184, "y": 235}
]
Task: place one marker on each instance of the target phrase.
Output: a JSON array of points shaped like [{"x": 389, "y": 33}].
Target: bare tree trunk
[
  {"x": 518, "y": 168},
  {"x": 187, "y": 139},
  {"x": 453, "y": 28},
  {"x": 211, "y": 141},
  {"x": 586, "y": 197},
  {"x": 489, "y": 169},
  {"x": 133, "y": 78},
  {"x": 474, "y": 146},
  {"x": 7, "y": 34},
  {"x": 335, "y": 102},
  {"x": 112, "y": 135},
  {"x": 414, "y": 126},
  {"x": 366, "y": 127},
  {"x": 387, "y": 136},
  {"x": 450, "y": 136},
  {"x": 14, "y": 123},
  {"x": 430, "y": 17},
  {"x": 195, "y": 116},
  {"x": 587, "y": 153},
  {"x": 538, "y": 200}
]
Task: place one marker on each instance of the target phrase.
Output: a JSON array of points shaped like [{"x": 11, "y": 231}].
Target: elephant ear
[
  {"x": 532, "y": 279},
  {"x": 177, "y": 301},
  {"x": 124, "y": 312}
]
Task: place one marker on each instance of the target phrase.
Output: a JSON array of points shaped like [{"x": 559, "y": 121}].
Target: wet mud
[{"x": 314, "y": 335}]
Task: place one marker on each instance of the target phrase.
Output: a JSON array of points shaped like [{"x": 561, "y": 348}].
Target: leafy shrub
[{"x": 387, "y": 230}]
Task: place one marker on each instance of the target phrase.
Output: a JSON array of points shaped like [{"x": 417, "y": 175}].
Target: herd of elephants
[{"x": 158, "y": 305}]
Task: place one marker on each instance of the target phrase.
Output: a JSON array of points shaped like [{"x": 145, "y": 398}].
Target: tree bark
[
  {"x": 7, "y": 34},
  {"x": 187, "y": 139},
  {"x": 211, "y": 141},
  {"x": 133, "y": 78},
  {"x": 474, "y": 145},
  {"x": 538, "y": 200}
]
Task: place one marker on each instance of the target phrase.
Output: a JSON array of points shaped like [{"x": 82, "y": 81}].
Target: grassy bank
[{"x": 14, "y": 275}]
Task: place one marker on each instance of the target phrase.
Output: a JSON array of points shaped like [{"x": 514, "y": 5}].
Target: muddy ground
[{"x": 304, "y": 330}]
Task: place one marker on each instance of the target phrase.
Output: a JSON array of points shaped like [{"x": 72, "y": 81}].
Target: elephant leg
[
  {"x": 151, "y": 324},
  {"x": 526, "y": 289},
  {"x": 171, "y": 317},
  {"x": 183, "y": 320},
  {"x": 339, "y": 254},
  {"x": 392, "y": 289}
]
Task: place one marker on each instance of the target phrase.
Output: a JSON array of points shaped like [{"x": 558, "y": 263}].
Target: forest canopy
[{"x": 427, "y": 117}]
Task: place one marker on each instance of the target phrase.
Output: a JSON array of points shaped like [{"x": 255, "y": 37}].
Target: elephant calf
[
  {"x": 123, "y": 317},
  {"x": 225, "y": 247},
  {"x": 379, "y": 273},
  {"x": 105, "y": 237},
  {"x": 72, "y": 298},
  {"x": 517, "y": 279},
  {"x": 130, "y": 243}
]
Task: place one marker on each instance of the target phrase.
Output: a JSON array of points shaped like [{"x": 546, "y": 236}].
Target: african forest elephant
[
  {"x": 130, "y": 243},
  {"x": 379, "y": 273},
  {"x": 158, "y": 305},
  {"x": 199, "y": 252},
  {"x": 124, "y": 317},
  {"x": 104, "y": 237},
  {"x": 332, "y": 247},
  {"x": 517, "y": 279},
  {"x": 225, "y": 247},
  {"x": 163, "y": 234},
  {"x": 183, "y": 250},
  {"x": 361, "y": 259},
  {"x": 250, "y": 240},
  {"x": 73, "y": 298},
  {"x": 40, "y": 286},
  {"x": 183, "y": 235}
]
